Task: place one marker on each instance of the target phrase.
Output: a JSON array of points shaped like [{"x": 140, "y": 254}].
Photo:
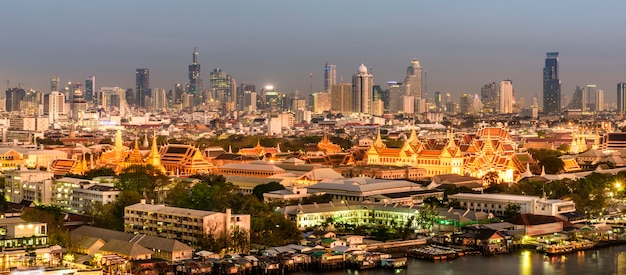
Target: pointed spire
[
  {"x": 543, "y": 171},
  {"x": 379, "y": 141},
  {"x": 278, "y": 148},
  {"x": 145, "y": 144},
  {"x": 230, "y": 149}
]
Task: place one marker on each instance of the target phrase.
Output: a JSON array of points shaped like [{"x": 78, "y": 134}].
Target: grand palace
[{"x": 490, "y": 149}]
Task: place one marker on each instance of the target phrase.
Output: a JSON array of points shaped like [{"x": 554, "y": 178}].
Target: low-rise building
[
  {"x": 90, "y": 194},
  {"x": 32, "y": 185},
  {"x": 498, "y": 203},
  {"x": 183, "y": 224}
]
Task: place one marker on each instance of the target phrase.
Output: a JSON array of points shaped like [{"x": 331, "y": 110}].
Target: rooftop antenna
[{"x": 310, "y": 83}]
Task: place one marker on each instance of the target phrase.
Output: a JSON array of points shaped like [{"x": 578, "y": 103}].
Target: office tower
[
  {"x": 551, "y": 84},
  {"x": 54, "y": 83},
  {"x": 437, "y": 99},
  {"x": 142, "y": 87},
  {"x": 160, "y": 99},
  {"x": 362, "y": 83},
  {"x": 56, "y": 106},
  {"x": 489, "y": 97},
  {"x": 379, "y": 94},
  {"x": 465, "y": 102},
  {"x": 621, "y": 98},
  {"x": 408, "y": 104},
  {"x": 78, "y": 104},
  {"x": 599, "y": 100},
  {"x": 241, "y": 91},
  {"x": 195, "y": 82},
  {"x": 341, "y": 97},
  {"x": 90, "y": 88},
  {"x": 397, "y": 91},
  {"x": 13, "y": 98},
  {"x": 579, "y": 99},
  {"x": 321, "y": 102},
  {"x": 505, "y": 92},
  {"x": 330, "y": 76},
  {"x": 413, "y": 79},
  {"x": 591, "y": 97},
  {"x": 249, "y": 101},
  {"x": 220, "y": 85}
]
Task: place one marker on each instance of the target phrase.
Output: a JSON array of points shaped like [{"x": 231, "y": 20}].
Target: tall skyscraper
[
  {"x": 621, "y": 97},
  {"x": 195, "y": 82},
  {"x": 13, "y": 98},
  {"x": 330, "y": 76},
  {"x": 90, "y": 88},
  {"x": 54, "y": 83},
  {"x": 551, "y": 84},
  {"x": 396, "y": 96},
  {"x": 579, "y": 100},
  {"x": 591, "y": 97},
  {"x": 413, "y": 79},
  {"x": 221, "y": 85},
  {"x": 489, "y": 97},
  {"x": 362, "y": 83},
  {"x": 505, "y": 92},
  {"x": 142, "y": 89},
  {"x": 341, "y": 97},
  {"x": 599, "y": 100},
  {"x": 437, "y": 99}
]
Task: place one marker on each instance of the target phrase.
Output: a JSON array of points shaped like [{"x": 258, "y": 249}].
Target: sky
[{"x": 461, "y": 44}]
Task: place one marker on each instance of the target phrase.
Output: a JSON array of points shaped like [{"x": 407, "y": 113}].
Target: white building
[
  {"x": 42, "y": 158},
  {"x": 505, "y": 91},
  {"x": 362, "y": 85},
  {"x": 33, "y": 185},
  {"x": 186, "y": 225},
  {"x": 497, "y": 204},
  {"x": 90, "y": 194}
]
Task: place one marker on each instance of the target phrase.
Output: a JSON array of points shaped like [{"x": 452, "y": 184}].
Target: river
[{"x": 609, "y": 260}]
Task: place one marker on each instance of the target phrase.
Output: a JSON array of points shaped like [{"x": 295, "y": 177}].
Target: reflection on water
[{"x": 610, "y": 260}]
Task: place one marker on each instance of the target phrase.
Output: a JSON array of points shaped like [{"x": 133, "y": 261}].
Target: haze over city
[{"x": 462, "y": 45}]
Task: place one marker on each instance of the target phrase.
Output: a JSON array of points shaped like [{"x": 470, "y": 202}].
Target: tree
[
  {"x": 491, "y": 178},
  {"x": 147, "y": 180},
  {"x": 511, "y": 210},
  {"x": 552, "y": 164},
  {"x": 261, "y": 189},
  {"x": 426, "y": 219},
  {"x": 274, "y": 230},
  {"x": 53, "y": 217},
  {"x": 111, "y": 215}
]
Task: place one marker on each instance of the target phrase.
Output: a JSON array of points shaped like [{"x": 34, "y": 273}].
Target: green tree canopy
[{"x": 261, "y": 189}]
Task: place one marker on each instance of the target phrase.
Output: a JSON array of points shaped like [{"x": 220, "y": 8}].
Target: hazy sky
[{"x": 462, "y": 44}]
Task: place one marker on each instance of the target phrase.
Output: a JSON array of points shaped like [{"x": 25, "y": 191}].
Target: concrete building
[
  {"x": 32, "y": 185},
  {"x": 497, "y": 204},
  {"x": 505, "y": 92},
  {"x": 362, "y": 83},
  {"x": 90, "y": 194},
  {"x": 185, "y": 225}
]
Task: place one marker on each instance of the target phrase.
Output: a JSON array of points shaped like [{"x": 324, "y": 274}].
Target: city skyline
[{"x": 458, "y": 48}]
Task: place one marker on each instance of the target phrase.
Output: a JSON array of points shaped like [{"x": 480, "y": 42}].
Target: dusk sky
[{"x": 461, "y": 44}]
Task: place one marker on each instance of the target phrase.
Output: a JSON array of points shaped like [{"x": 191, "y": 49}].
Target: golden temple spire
[
  {"x": 119, "y": 147},
  {"x": 379, "y": 141},
  {"x": 154, "y": 158}
]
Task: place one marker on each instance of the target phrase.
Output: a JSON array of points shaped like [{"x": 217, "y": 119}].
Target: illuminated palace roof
[
  {"x": 364, "y": 186},
  {"x": 183, "y": 159}
]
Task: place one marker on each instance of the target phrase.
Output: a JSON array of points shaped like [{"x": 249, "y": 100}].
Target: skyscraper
[
  {"x": 591, "y": 97},
  {"x": 330, "y": 76},
  {"x": 599, "y": 100},
  {"x": 54, "y": 83},
  {"x": 551, "y": 84},
  {"x": 505, "y": 92},
  {"x": 413, "y": 79},
  {"x": 489, "y": 97},
  {"x": 341, "y": 97},
  {"x": 362, "y": 83},
  {"x": 195, "y": 82},
  {"x": 142, "y": 90},
  {"x": 90, "y": 88},
  {"x": 621, "y": 97}
]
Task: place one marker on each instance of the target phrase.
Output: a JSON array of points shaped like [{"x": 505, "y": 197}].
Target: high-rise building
[
  {"x": 13, "y": 98},
  {"x": 397, "y": 91},
  {"x": 362, "y": 83},
  {"x": 505, "y": 92},
  {"x": 438, "y": 100},
  {"x": 78, "y": 105},
  {"x": 551, "y": 84},
  {"x": 591, "y": 97},
  {"x": 621, "y": 97},
  {"x": 195, "y": 82},
  {"x": 489, "y": 97},
  {"x": 142, "y": 87},
  {"x": 465, "y": 104},
  {"x": 90, "y": 88},
  {"x": 159, "y": 99},
  {"x": 54, "y": 83},
  {"x": 341, "y": 97},
  {"x": 413, "y": 79},
  {"x": 579, "y": 100},
  {"x": 321, "y": 102},
  {"x": 599, "y": 100},
  {"x": 56, "y": 106},
  {"x": 330, "y": 76},
  {"x": 221, "y": 85}
]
